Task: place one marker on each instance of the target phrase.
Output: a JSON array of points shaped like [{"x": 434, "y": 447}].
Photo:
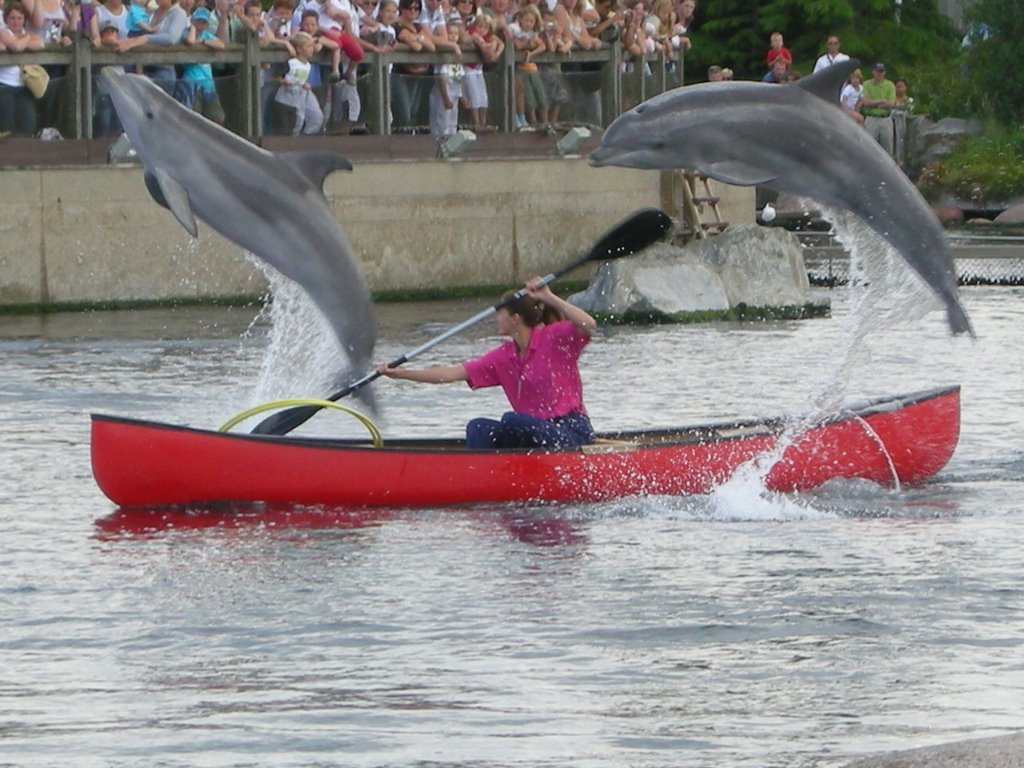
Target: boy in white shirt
[{"x": 295, "y": 90}]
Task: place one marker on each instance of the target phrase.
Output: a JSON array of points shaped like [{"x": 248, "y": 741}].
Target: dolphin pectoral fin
[
  {"x": 828, "y": 83},
  {"x": 737, "y": 173},
  {"x": 171, "y": 194},
  {"x": 154, "y": 189},
  {"x": 315, "y": 166}
]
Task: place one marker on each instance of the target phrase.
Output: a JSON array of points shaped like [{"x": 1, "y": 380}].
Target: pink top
[{"x": 543, "y": 383}]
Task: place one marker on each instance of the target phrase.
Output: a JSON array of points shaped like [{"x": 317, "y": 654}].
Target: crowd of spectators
[
  {"x": 879, "y": 105},
  {"x": 305, "y": 95}
]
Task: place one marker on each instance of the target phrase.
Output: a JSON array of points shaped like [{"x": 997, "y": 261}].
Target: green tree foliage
[
  {"x": 993, "y": 60},
  {"x": 734, "y": 33}
]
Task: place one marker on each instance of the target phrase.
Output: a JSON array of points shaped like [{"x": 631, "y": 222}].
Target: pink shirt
[{"x": 543, "y": 383}]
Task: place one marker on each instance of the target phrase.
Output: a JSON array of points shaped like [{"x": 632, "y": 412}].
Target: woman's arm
[
  {"x": 28, "y": 42},
  {"x": 584, "y": 323},
  {"x": 441, "y": 374}
]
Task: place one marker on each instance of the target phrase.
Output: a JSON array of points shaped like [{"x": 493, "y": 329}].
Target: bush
[{"x": 989, "y": 165}]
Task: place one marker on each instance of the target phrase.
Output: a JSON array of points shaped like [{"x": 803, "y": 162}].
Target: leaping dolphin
[
  {"x": 270, "y": 204},
  {"x": 793, "y": 139}
]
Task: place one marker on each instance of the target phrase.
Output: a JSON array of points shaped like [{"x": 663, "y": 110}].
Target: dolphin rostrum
[
  {"x": 270, "y": 204},
  {"x": 793, "y": 139}
]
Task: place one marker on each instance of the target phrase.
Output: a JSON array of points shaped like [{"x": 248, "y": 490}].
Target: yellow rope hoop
[{"x": 378, "y": 441}]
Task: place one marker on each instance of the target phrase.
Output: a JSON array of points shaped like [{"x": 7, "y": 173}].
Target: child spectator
[
  {"x": 112, "y": 12},
  {"x": 447, "y": 92},
  {"x": 310, "y": 24},
  {"x": 480, "y": 31},
  {"x": 559, "y": 42},
  {"x": 777, "y": 50},
  {"x": 667, "y": 33},
  {"x": 138, "y": 19},
  {"x": 434, "y": 22},
  {"x": 338, "y": 24},
  {"x": 280, "y": 19},
  {"x": 609, "y": 22},
  {"x": 372, "y": 34},
  {"x": 207, "y": 102},
  {"x": 851, "y": 95},
  {"x": 634, "y": 38},
  {"x": 531, "y": 98},
  {"x": 104, "y": 116},
  {"x": 295, "y": 90},
  {"x": 339, "y": 93}
]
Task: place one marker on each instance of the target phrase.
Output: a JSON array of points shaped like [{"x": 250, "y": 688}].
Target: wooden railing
[{"x": 241, "y": 91}]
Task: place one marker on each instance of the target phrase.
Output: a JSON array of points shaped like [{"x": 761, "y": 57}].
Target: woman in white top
[
  {"x": 49, "y": 20},
  {"x": 17, "y": 107}
]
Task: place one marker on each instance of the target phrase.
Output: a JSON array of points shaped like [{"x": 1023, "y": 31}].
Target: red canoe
[{"x": 891, "y": 441}]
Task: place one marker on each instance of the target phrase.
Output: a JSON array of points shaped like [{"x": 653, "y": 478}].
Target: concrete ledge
[{"x": 81, "y": 235}]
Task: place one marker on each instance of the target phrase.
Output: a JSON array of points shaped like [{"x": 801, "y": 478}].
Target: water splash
[
  {"x": 303, "y": 357},
  {"x": 884, "y": 293}
]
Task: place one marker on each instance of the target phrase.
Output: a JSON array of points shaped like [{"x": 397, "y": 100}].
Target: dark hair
[
  {"x": 404, "y": 5},
  {"x": 307, "y": 13},
  {"x": 533, "y": 312},
  {"x": 15, "y": 6}
]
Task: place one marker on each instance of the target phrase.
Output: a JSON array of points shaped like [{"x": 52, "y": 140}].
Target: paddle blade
[
  {"x": 283, "y": 422},
  {"x": 643, "y": 228}
]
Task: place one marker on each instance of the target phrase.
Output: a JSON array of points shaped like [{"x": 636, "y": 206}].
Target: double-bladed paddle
[{"x": 641, "y": 229}]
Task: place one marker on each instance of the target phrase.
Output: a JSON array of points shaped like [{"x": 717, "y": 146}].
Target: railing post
[
  {"x": 611, "y": 88},
  {"x": 508, "y": 88},
  {"x": 81, "y": 85},
  {"x": 252, "y": 120},
  {"x": 379, "y": 93}
]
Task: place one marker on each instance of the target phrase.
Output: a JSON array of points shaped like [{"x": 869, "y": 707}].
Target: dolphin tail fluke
[
  {"x": 366, "y": 396},
  {"x": 958, "y": 320}
]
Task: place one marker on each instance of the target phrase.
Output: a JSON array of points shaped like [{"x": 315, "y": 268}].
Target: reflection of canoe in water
[{"x": 893, "y": 440}]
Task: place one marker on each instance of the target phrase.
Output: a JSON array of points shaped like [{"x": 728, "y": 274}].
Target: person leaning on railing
[
  {"x": 170, "y": 23},
  {"x": 407, "y": 80},
  {"x": 17, "y": 106}
]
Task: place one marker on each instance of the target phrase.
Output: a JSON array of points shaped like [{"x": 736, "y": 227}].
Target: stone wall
[{"x": 93, "y": 235}]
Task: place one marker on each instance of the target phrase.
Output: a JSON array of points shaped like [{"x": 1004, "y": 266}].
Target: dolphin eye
[
  {"x": 659, "y": 145},
  {"x": 149, "y": 114}
]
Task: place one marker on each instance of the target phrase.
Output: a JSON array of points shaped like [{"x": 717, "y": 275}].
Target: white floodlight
[{"x": 572, "y": 141}]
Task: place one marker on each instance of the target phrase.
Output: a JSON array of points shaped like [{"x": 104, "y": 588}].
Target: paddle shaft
[{"x": 635, "y": 233}]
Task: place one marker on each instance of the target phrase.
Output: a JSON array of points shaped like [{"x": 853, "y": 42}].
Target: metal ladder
[{"x": 698, "y": 208}]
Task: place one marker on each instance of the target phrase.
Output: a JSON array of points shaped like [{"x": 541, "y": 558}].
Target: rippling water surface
[{"x": 738, "y": 629}]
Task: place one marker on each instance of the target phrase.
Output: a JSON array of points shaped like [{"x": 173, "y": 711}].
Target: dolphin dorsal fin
[
  {"x": 170, "y": 194},
  {"x": 828, "y": 83},
  {"x": 314, "y": 166}
]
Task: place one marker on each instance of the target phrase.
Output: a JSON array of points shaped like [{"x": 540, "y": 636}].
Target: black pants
[
  {"x": 517, "y": 430},
  {"x": 17, "y": 110}
]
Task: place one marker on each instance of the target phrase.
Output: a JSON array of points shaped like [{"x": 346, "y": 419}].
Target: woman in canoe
[{"x": 537, "y": 369}]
